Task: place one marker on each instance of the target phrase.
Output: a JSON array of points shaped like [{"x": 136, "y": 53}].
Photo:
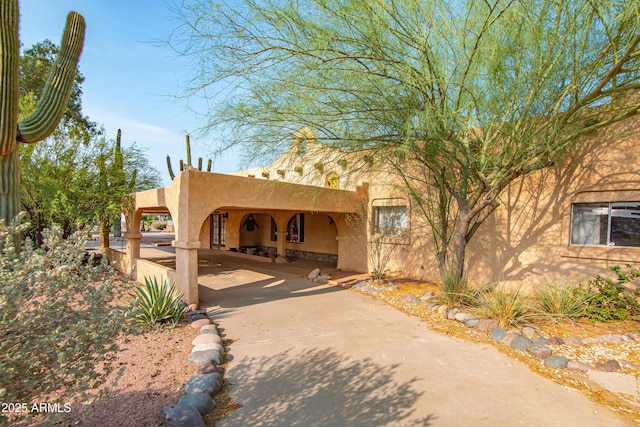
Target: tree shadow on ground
[{"x": 320, "y": 388}]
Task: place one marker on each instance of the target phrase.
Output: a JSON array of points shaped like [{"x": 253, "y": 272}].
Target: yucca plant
[
  {"x": 561, "y": 302},
  {"x": 157, "y": 303},
  {"x": 508, "y": 308}
]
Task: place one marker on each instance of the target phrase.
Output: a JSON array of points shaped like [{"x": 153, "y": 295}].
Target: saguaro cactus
[
  {"x": 182, "y": 164},
  {"x": 50, "y": 106},
  {"x": 119, "y": 178}
]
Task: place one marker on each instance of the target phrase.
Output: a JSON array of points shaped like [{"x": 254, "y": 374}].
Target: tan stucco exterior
[{"x": 525, "y": 240}]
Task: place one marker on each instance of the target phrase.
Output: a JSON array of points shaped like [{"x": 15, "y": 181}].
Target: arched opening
[
  {"x": 312, "y": 236},
  {"x": 257, "y": 234}
]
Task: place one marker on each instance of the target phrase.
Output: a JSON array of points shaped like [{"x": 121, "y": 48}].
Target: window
[
  {"x": 606, "y": 224},
  {"x": 390, "y": 220},
  {"x": 218, "y": 230},
  {"x": 295, "y": 229},
  {"x": 332, "y": 181}
]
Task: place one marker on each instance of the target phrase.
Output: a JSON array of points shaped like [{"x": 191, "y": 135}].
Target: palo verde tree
[
  {"x": 49, "y": 108},
  {"x": 461, "y": 97}
]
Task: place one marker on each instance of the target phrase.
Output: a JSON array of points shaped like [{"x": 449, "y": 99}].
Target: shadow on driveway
[{"x": 321, "y": 387}]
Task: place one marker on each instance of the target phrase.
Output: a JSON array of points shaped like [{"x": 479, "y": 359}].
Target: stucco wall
[{"x": 527, "y": 238}]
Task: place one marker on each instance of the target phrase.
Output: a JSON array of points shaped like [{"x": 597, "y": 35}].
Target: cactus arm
[
  {"x": 209, "y": 165},
  {"x": 53, "y": 103},
  {"x": 132, "y": 183},
  {"x": 199, "y": 163},
  {"x": 9, "y": 76},
  {"x": 181, "y": 165},
  {"x": 188, "y": 142},
  {"x": 171, "y": 174}
]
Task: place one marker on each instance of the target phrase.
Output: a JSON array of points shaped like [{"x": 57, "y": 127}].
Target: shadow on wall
[
  {"x": 321, "y": 388},
  {"x": 523, "y": 239}
]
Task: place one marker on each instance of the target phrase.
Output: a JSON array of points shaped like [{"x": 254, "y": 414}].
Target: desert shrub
[
  {"x": 457, "y": 291},
  {"x": 609, "y": 300},
  {"x": 508, "y": 308},
  {"x": 159, "y": 225},
  {"x": 561, "y": 302},
  {"x": 58, "y": 322},
  {"x": 157, "y": 304}
]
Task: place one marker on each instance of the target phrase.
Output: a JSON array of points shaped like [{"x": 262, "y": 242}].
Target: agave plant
[{"x": 157, "y": 303}]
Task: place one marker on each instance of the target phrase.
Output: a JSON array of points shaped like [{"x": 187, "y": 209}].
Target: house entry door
[{"x": 218, "y": 230}]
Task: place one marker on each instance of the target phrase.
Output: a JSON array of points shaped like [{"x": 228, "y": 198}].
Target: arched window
[{"x": 332, "y": 180}]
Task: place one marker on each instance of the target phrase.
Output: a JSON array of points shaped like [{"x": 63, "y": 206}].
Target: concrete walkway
[{"x": 313, "y": 355}]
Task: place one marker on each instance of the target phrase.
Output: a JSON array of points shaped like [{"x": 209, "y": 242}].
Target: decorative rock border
[
  {"x": 526, "y": 340},
  {"x": 207, "y": 381}
]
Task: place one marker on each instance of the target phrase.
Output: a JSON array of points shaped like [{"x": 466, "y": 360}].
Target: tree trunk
[
  {"x": 103, "y": 231},
  {"x": 459, "y": 246}
]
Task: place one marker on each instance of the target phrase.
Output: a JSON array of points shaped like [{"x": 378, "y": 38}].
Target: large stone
[
  {"x": 443, "y": 310},
  {"x": 556, "y": 362},
  {"x": 281, "y": 260},
  {"x": 511, "y": 334},
  {"x": 181, "y": 416},
  {"x": 572, "y": 340},
  {"x": 313, "y": 274},
  {"x": 608, "y": 366},
  {"x": 575, "y": 365},
  {"x": 197, "y": 324},
  {"x": 207, "y": 338},
  {"x": 451, "y": 314},
  {"x": 556, "y": 341},
  {"x": 498, "y": 334},
  {"x": 528, "y": 331},
  {"x": 520, "y": 342},
  {"x": 207, "y": 383},
  {"x": 541, "y": 340},
  {"x": 486, "y": 325},
  {"x": 204, "y": 358},
  {"x": 207, "y": 346},
  {"x": 209, "y": 369},
  {"x": 463, "y": 317},
  {"x": 201, "y": 401},
  {"x": 471, "y": 323},
  {"x": 538, "y": 350}
]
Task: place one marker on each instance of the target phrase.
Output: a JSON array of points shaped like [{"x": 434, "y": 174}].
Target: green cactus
[
  {"x": 49, "y": 109},
  {"x": 114, "y": 183},
  {"x": 119, "y": 178},
  {"x": 182, "y": 164}
]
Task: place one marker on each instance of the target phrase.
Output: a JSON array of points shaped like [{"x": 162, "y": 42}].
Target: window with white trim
[
  {"x": 390, "y": 220},
  {"x": 606, "y": 224}
]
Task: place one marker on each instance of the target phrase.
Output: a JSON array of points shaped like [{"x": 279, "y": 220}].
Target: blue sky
[{"x": 129, "y": 80}]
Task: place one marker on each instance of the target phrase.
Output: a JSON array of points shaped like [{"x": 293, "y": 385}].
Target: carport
[{"x": 194, "y": 196}]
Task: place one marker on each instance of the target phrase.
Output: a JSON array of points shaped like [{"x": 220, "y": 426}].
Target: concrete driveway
[{"x": 312, "y": 355}]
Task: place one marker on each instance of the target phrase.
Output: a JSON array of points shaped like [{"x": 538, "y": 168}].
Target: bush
[
  {"x": 457, "y": 291},
  {"x": 609, "y": 300},
  {"x": 508, "y": 308},
  {"x": 561, "y": 301},
  {"x": 157, "y": 303},
  {"x": 58, "y": 322}
]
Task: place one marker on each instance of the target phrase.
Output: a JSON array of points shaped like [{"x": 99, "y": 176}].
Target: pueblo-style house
[{"x": 564, "y": 224}]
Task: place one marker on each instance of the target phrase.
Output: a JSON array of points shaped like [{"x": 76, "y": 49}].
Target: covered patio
[{"x": 195, "y": 197}]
